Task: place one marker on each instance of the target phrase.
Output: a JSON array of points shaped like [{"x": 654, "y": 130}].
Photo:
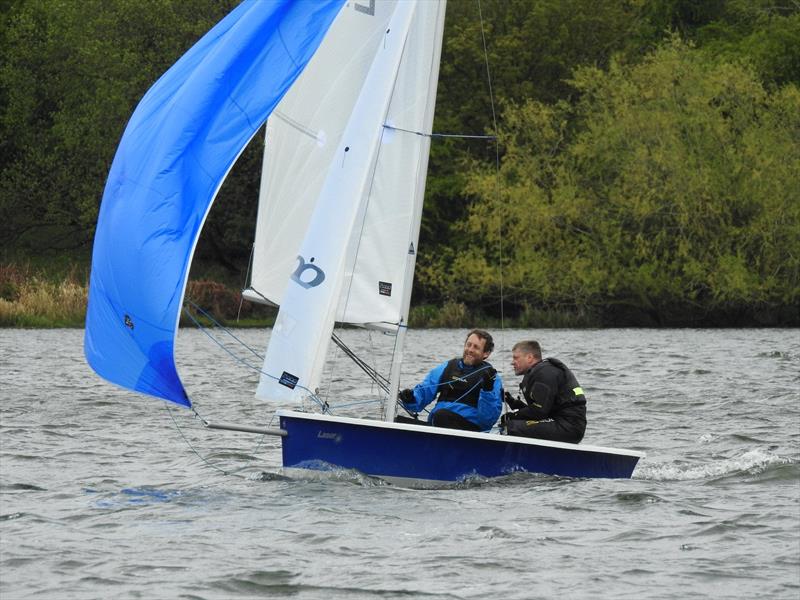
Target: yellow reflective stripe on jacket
[{"x": 578, "y": 391}]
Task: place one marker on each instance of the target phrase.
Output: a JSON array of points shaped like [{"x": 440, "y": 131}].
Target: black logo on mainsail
[
  {"x": 289, "y": 380},
  {"x": 303, "y": 268}
]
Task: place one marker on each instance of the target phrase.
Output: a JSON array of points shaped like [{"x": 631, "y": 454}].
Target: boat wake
[
  {"x": 753, "y": 462},
  {"x": 319, "y": 470}
]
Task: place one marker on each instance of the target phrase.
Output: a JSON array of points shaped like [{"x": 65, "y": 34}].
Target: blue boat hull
[{"x": 411, "y": 453}]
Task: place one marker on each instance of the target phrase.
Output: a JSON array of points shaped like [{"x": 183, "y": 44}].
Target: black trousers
[{"x": 548, "y": 429}]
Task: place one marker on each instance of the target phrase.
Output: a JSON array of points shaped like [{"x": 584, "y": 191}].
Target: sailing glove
[
  {"x": 513, "y": 403},
  {"x": 489, "y": 376},
  {"x": 406, "y": 396},
  {"x": 509, "y": 416}
]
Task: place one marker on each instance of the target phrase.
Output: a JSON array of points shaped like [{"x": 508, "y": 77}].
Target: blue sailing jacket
[{"x": 489, "y": 404}]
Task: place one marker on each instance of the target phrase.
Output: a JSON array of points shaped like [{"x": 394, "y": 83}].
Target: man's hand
[
  {"x": 489, "y": 375},
  {"x": 406, "y": 396},
  {"x": 505, "y": 418},
  {"x": 513, "y": 403}
]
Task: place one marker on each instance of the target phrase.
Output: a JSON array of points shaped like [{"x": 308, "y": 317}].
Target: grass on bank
[{"x": 31, "y": 297}]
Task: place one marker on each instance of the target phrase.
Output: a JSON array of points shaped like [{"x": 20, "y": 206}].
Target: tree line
[{"x": 646, "y": 169}]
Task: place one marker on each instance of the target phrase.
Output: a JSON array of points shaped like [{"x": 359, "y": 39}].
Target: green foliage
[
  {"x": 70, "y": 76},
  {"x": 773, "y": 48},
  {"x": 670, "y": 185},
  {"x": 532, "y": 48},
  {"x": 451, "y": 314},
  {"x": 649, "y": 150},
  {"x": 230, "y": 227}
]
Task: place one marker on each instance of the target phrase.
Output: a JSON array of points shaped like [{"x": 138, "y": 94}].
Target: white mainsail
[{"x": 343, "y": 186}]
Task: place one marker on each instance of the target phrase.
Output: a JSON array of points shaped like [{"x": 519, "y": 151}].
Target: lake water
[{"x": 105, "y": 493}]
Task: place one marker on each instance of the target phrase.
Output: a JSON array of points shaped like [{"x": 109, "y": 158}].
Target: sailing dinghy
[{"x": 347, "y": 91}]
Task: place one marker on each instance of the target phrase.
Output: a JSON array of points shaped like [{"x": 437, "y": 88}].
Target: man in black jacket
[{"x": 554, "y": 407}]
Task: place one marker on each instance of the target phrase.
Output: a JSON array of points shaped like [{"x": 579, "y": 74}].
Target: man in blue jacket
[{"x": 468, "y": 391}]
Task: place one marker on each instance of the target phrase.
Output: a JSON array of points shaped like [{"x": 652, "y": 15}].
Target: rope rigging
[
  {"x": 217, "y": 324},
  {"x": 497, "y": 170},
  {"x": 373, "y": 374}
]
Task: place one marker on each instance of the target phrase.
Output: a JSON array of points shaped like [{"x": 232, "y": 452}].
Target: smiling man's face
[{"x": 474, "y": 352}]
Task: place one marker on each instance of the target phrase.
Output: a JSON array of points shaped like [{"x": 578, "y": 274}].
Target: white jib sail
[{"x": 346, "y": 252}]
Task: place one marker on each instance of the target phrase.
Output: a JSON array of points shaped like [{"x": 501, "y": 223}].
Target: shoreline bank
[{"x": 33, "y": 299}]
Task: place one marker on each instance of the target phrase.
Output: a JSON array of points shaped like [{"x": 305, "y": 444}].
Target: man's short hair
[
  {"x": 529, "y": 347},
  {"x": 488, "y": 342}
]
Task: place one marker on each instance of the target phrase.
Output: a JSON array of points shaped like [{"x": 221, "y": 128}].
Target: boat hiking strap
[{"x": 371, "y": 372}]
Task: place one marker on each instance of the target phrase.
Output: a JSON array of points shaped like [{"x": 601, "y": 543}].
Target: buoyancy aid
[
  {"x": 570, "y": 398},
  {"x": 461, "y": 384}
]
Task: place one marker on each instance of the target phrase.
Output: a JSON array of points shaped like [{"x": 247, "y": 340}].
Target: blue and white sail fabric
[{"x": 179, "y": 145}]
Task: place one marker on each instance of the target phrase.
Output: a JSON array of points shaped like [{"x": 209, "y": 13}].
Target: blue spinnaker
[{"x": 179, "y": 145}]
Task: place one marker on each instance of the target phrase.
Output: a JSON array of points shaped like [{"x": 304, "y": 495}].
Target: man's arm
[
  {"x": 540, "y": 395},
  {"x": 490, "y": 403},
  {"x": 425, "y": 392}
]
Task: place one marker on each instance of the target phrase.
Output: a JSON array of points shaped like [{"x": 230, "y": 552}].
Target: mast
[{"x": 390, "y": 409}]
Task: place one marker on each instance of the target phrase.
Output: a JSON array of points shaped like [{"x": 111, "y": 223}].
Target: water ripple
[{"x": 103, "y": 496}]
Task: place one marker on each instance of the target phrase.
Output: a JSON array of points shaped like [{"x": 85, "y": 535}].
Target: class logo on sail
[{"x": 307, "y": 274}]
